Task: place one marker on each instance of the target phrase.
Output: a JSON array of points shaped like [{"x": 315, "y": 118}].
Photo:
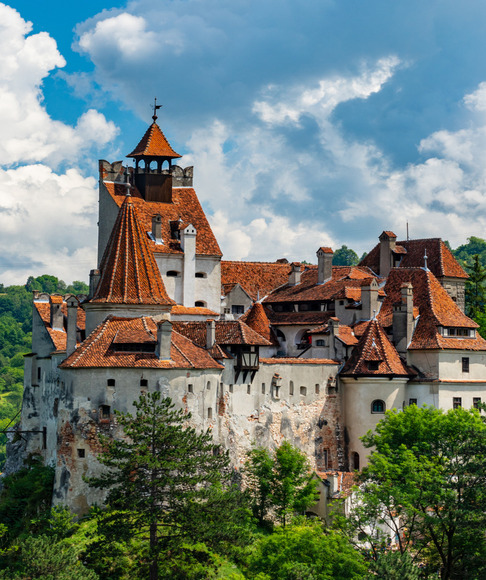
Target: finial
[
  {"x": 425, "y": 260},
  {"x": 154, "y": 117},
  {"x": 127, "y": 182}
]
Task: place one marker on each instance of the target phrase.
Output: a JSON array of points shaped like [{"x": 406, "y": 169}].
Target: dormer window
[
  {"x": 459, "y": 332},
  {"x": 373, "y": 365}
]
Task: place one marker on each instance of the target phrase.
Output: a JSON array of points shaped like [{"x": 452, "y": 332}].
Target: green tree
[
  {"x": 425, "y": 485},
  {"x": 283, "y": 482},
  {"x": 475, "y": 288},
  {"x": 345, "y": 256},
  {"x": 161, "y": 478},
  {"x": 475, "y": 246},
  {"x": 304, "y": 552}
]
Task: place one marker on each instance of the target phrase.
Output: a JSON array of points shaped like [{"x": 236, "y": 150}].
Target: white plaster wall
[
  {"x": 450, "y": 365},
  {"x": 209, "y": 289},
  {"x": 358, "y": 396},
  {"x": 237, "y": 296},
  {"x": 166, "y": 263}
]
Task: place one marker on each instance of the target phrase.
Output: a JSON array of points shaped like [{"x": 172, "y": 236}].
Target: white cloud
[{"x": 47, "y": 206}]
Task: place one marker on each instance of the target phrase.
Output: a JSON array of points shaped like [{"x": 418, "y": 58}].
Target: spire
[
  {"x": 154, "y": 144},
  {"x": 129, "y": 274},
  {"x": 256, "y": 318}
]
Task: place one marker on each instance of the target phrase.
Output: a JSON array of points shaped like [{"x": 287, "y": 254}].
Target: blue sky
[{"x": 312, "y": 123}]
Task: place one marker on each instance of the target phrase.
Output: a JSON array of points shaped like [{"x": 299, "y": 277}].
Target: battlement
[{"x": 181, "y": 177}]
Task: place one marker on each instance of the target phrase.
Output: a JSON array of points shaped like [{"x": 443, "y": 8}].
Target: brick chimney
[
  {"x": 72, "y": 322},
  {"x": 210, "y": 333},
  {"x": 369, "y": 300},
  {"x": 388, "y": 241},
  {"x": 324, "y": 264},
  {"x": 164, "y": 339},
  {"x": 57, "y": 317},
  {"x": 295, "y": 273},
  {"x": 403, "y": 319}
]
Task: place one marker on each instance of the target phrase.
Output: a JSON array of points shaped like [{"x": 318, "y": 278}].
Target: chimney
[
  {"x": 294, "y": 276},
  {"x": 157, "y": 228},
  {"x": 388, "y": 242},
  {"x": 57, "y": 317},
  {"x": 333, "y": 479},
  {"x": 164, "y": 339},
  {"x": 369, "y": 300},
  {"x": 210, "y": 333},
  {"x": 333, "y": 326},
  {"x": 188, "y": 244},
  {"x": 94, "y": 278},
  {"x": 403, "y": 319},
  {"x": 324, "y": 264},
  {"x": 72, "y": 322}
]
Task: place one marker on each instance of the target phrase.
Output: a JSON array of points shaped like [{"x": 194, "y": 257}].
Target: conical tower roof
[
  {"x": 256, "y": 318},
  {"x": 129, "y": 273},
  {"x": 375, "y": 355},
  {"x": 154, "y": 144}
]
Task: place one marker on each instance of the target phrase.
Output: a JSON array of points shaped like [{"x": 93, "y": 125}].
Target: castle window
[
  {"x": 210, "y": 413},
  {"x": 456, "y": 402},
  {"x": 318, "y": 389},
  {"x": 237, "y": 309},
  {"x": 39, "y": 373},
  {"x": 263, "y": 388},
  {"x": 173, "y": 274},
  {"x": 373, "y": 365},
  {"x": 105, "y": 411},
  {"x": 320, "y": 342},
  {"x": 476, "y": 402},
  {"x": 143, "y": 382},
  {"x": 356, "y": 461},
  {"x": 81, "y": 453},
  {"x": 412, "y": 401},
  {"x": 248, "y": 390},
  {"x": 291, "y": 388},
  {"x": 200, "y": 304},
  {"x": 208, "y": 385},
  {"x": 201, "y": 275},
  {"x": 231, "y": 388},
  {"x": 190, "y": 388},
  {"x": 465, "y": 364},
  {"x": 378, "y": 406},
  {"x": 110, "y": 383},
  {"x": 303, "y": 391}
]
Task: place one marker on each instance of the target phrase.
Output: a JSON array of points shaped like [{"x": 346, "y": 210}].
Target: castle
[{"x": 256, "y": 352}]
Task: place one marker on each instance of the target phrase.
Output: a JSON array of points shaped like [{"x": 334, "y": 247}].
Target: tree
[
  {"x": 345, "y": 256},
  {"x": 161, "y": 478},
  {"x": 304, "y": 551},
  {"x": 425, "y": 486},
  {"x": 283, "y": 482},
  {"x": 475, "y": 289},
  {"x": 475, "y": 246}
]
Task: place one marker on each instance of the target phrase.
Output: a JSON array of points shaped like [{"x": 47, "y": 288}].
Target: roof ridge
[{"x": 101, "y": 329}]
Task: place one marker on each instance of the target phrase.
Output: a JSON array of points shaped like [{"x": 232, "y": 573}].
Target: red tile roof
[
  {"x": 257, "y": 278},
  {"x": 256, "y": 318},
  {"x": 196, "y": 310},
  {"x": 129, "y": 274},
  {"x": 374, "y": 346},
  {"x": 228, "y": 332},
  {"x": 298, "y": 361},
  {"x": 345, "y": 481},
  {"x": 435, "y": 308},
  {"x": 184, "y": 206},
  {"x": 153, "y": 144},
  {"x": 345, "y": 333},
  {"x": 100, "y": 348},
  {"x": 58, "y": 337},
  {"x": 439, "y": 258},
  {"x": 346, "y": 282},
  {"x": 298, "y": 318},
  {"x": 326, "y": 250}
]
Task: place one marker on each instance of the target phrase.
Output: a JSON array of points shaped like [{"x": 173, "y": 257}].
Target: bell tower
[{"x": 153, "y": 164}]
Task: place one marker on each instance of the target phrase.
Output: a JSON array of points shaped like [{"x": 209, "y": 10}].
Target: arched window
[
  {"x": 378, "y": 406},
  {"x": 173, "y": 274},
  {"x": 356, "y": 460},
  {"x": 200, "y": 304},
  {"x": 201, "y": 275}
]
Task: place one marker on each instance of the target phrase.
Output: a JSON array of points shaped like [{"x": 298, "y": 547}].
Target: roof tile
[{"x": 153, "y": 144}]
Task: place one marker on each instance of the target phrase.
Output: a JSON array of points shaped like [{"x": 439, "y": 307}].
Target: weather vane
[{"x": 154, "y": 117}]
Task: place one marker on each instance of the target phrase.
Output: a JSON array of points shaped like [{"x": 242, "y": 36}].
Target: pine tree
[
  {"x": 475, "y": 289},
  {"x": 160, "y": 477}
]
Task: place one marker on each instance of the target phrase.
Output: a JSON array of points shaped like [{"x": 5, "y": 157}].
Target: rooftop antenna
[
  {"x": 425, "y": 260},
  {"x": 156, "y": 107},
  {"x": 407, "y": 232},
  {"x": 127, "y": 181}
]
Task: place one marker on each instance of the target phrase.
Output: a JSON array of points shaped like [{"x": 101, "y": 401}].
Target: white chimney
[
  {"x": 164, "y": 339},
  {"x": 295, "y": 273},
  {"x": 324, "y": 264}
]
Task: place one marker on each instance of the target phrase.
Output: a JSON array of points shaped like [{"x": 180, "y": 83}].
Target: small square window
[
  {"x": 303, "y": 391},
  {"x": 237, "y": 309},
  {"x": 320, "y": 342},
  {"x": 456, "y": 402},
  {"x": 465, "y": 364},
  {"x": 476, "y": 402},
  {"x": 105, "y": 411},
  {"x": 81, "y": 453},
  {"x": 190, "y": 388},
  {"x": 110, "y": 382},
  {"x": 412, "y": 401},
  {"x": 143, "y": 382},
  {"x": 373, "y": 365}
]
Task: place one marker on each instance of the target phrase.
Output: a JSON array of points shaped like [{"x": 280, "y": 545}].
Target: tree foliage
[
  {"x": 165, "y": 480},
  {"x": 425, "y": 485},
  {"x": 345, "y": 256},
  {"x": 281, "y": 482}
]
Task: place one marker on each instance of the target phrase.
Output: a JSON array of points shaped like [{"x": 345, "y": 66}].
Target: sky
[{"x": 311, "y": 123}]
